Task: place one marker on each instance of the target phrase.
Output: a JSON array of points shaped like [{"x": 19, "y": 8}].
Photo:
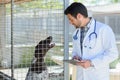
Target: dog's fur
[{"x": 38, "y": 69}]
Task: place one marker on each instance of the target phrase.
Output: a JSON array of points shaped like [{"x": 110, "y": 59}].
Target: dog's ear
[{"x": 49, "y": 39}]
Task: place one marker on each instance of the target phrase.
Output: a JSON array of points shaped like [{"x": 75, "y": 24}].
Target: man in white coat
[{"x": 94, "y": 44}]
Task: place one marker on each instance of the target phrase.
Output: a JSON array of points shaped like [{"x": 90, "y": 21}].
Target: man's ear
[{"x": 79, "y": 16}]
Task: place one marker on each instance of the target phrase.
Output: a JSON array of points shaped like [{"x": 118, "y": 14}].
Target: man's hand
[{"x": 84, "y": 63}]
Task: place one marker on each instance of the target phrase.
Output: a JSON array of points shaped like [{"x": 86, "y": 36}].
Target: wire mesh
[
  {"x": 3, "y": 56},
  {"x": 33, "y": 21}
]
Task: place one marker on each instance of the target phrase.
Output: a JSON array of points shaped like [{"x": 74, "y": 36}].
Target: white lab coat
[{"x": 103, "y": 52}]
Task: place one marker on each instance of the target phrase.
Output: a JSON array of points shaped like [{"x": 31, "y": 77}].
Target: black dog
[{"x": 38, "y": 69}]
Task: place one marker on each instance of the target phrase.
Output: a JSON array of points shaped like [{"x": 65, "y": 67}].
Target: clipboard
[{"x": 74, "y": 62}]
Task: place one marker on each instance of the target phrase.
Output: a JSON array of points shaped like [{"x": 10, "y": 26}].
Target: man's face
[{"x": 74, "y": 21}]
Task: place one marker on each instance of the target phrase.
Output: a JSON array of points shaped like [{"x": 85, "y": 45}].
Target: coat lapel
[{"x": 91, "y": 29}]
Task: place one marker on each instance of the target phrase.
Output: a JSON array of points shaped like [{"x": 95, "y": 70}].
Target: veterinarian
[{"x": 94, "y": 44}]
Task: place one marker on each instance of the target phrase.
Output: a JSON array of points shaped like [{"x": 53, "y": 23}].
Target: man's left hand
[{"x": 84, "y": 63}]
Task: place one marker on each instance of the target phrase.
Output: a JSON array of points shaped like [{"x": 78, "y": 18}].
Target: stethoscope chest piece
[{"x": 75, "y": 37}]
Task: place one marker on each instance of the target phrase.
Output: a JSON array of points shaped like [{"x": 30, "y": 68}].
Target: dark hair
[{"x": 76, "y": 8}]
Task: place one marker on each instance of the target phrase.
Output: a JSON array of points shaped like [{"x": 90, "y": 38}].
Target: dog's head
[{"x": 43, "y": 46}]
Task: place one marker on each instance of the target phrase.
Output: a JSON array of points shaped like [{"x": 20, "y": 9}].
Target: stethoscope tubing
[
  {"x": 93, "y": 33},
  {"x": 75, "y": 37}
]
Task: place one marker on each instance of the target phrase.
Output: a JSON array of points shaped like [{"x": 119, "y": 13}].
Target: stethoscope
[{"x": 75, "y": 37}]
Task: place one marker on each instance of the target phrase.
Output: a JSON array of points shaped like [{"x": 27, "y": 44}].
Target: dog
[{"x": 38, "y": 69}]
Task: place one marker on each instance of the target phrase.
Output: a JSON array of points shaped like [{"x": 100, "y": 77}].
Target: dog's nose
[{"x": 52, "y": 45}]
